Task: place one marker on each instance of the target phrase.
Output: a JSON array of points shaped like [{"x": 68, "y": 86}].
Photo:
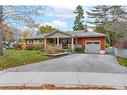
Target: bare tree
[{"x": 19, "y": 14}]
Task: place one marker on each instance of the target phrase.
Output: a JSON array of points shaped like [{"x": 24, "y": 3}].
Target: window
[
  {"x": 89, "y": 43},
  {"x": 95, "y": 42},
  {"x": 31, "y": 41},
  {"x": 36, "y": 41}
]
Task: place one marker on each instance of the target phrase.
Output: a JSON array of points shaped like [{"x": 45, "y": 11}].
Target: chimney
[{"x": 85, "y": 28}]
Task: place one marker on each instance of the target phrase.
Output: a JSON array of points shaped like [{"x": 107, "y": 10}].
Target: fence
[
  {"x": 117, "y": 52},
  {"x": 120, "y": 52}
]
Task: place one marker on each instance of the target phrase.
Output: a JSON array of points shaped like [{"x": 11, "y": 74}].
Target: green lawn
[
  {"x": 122, "y": 61},
  {"x": 14, "y": 58}
]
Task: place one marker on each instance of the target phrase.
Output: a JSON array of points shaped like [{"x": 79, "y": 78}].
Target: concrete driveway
[{"x": 76, "y": 63}]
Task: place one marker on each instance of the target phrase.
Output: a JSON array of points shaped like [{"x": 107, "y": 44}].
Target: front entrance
[
  {"x": 64, "y": 43},
  {"x": 92, "y": 46},
  {"x": 58, "y": 36}
]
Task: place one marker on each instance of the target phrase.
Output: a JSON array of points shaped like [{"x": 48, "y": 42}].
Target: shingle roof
[
  {"x": 38, "y": 36},
  {"x": 73, "y": 33},
  {"x": 86, "y": 34}
]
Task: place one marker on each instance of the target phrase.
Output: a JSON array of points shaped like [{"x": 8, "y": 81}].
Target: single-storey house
[{"x": 93, "y": 42}]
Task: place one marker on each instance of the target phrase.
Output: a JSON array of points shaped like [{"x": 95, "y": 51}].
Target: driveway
[{"x": 76, "y": 63}]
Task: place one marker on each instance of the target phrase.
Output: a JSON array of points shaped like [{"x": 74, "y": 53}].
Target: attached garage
[
  {"x": 92, "y": 46},
  {"x": 93, "y": 42}
]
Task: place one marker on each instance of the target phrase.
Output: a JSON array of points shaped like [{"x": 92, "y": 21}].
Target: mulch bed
[{"x": 53, "y": 87}]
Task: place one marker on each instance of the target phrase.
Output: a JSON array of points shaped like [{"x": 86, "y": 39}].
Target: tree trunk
[
  {"x": 1, "y": 37},
  {"x": 108, "y": 36}
]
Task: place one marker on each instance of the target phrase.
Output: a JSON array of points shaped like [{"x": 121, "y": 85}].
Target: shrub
[
  {"x": 53, "y": 49},
  {"x": 38, "y": 47},
  {"x": 30, "y": 47},
  {"x": 79, "y": 50},
  {"x": 18, "y": 46},
  {"x": 23, "y": 46},
  {"x": 107, "y": 45},
  {"x": 35, "y": 47}
]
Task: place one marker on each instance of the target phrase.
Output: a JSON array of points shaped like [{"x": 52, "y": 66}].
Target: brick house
[{"x": 93, "y": 42}]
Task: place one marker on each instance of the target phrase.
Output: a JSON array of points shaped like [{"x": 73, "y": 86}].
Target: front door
[{"x": 64, "y": 43}]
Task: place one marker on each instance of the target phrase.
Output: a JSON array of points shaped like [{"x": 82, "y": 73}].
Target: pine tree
[
  {"x": 78, "y": 23},
  {"x": 105, "y": 14},
  {"x": 104, "y": 17},
  {"x": 99, "y": 14}
]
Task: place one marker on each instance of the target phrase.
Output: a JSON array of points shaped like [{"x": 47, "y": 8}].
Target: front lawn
[
  {"x": 122, "y": 61},
  {"x": 14, "y": 58}
]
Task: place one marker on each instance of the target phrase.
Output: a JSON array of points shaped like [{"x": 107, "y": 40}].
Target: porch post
[
  {"x": 57, "y": 42},
  {"x": 76, "y": 41},
  {"x": 72, "y": 44},
  {"x": 45, "y": 44}
]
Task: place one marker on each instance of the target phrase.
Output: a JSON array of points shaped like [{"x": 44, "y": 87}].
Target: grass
[
  {"x": 122, "y": 61},
  {"x": 14, "y": 58}
]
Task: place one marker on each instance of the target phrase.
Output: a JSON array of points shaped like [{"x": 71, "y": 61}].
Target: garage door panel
[{"x": 92, "y": 47}]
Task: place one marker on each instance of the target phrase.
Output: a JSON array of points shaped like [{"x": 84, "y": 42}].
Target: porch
[
  {"x": 62, "y": 43},
  {"x": 61, "y": 40}
]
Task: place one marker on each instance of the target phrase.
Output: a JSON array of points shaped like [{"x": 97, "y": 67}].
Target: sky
[
  {"x": 59, "y": 13},
  {"x": 59, "y": 17}
]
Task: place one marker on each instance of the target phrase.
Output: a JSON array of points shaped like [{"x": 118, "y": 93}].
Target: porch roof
[
  {"x": 61, "y": 32},
  {"x": 69, "y": 33}
]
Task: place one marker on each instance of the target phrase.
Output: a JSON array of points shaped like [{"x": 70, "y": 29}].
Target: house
[{"x": 93, "y": 42}]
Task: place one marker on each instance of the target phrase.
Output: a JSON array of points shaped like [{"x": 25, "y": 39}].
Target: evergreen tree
[
  {"x": 104, "y": 17},
  {"x": 78, "y": 23},
  {"x": 99, "y": 14}
]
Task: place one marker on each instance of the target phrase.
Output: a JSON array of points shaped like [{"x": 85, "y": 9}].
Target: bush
[
  {"x": 39, "y": 47},
  {"x": 35, "y": 47},
  {"x": 79, "y": 50},
  {"x": 18, "y": 46},
  {"x": 24, "y": 47},
  {"x": 107, "y": 45},
  {"x": 53, "y": 50},
  {"x": 30, "y": 47}
]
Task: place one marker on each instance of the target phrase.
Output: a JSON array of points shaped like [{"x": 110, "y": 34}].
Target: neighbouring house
[{"x": 93, "y": 42}]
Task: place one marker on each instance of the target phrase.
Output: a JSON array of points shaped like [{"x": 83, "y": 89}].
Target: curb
[{"x": 2, "y": 72}]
